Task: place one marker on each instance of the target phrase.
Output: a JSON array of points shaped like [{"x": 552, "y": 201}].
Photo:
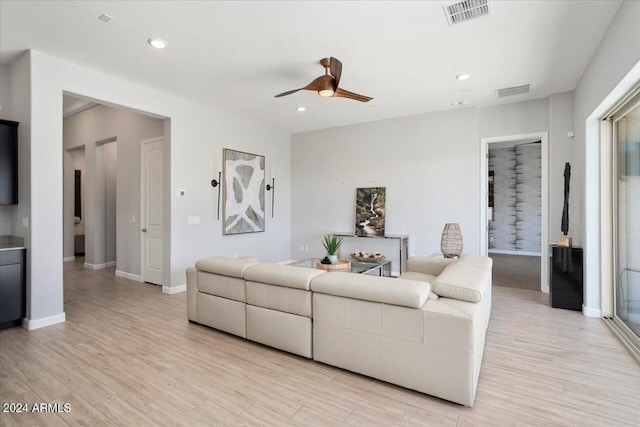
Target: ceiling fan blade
[
  {"x": 346, "y": 94},
  {"x": 335, "y": 67},
  {"x": 288, "y": 92},
  {"x": 316, "y": 85}
]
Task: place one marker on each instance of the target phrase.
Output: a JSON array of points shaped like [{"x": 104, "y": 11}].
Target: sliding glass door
[{"x": 627, "y": 216}]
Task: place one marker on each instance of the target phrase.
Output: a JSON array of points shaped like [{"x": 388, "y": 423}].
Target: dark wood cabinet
[
  {"x": 8, "y": 162},
  {"x": 566, "y": 286},
  {"x": 12, "y": 287}
]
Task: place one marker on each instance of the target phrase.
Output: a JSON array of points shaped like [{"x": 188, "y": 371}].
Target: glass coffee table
[{"x": 382, "y": 267}]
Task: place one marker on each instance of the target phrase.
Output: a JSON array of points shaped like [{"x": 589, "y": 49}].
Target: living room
[{"x": 317, "y": 168}]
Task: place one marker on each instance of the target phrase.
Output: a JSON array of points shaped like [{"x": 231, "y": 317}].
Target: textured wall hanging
[{"x": 243, "y": 192}]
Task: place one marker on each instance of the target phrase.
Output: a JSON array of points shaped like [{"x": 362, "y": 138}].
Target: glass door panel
[{"x": 627, "y": 287}]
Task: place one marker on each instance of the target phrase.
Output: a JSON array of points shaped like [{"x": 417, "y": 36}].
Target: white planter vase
[{"x": 333, "y": 259}]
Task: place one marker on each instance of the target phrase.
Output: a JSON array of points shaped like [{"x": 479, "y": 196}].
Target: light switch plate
[{"x": 193, "y": 220}]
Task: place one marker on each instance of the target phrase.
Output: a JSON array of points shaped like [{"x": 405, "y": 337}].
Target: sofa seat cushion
[
  {"x": 463, "y": 282},
  {"x": 282, "y": 275},
  {"x": 233, "y": 267},
  {"x": 288, "y": 300},
  {"x": 408, "y": 293},
  {"x": 421, "y": 277}
]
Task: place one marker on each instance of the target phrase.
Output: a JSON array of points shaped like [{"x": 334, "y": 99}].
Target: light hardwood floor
[{"x": 128, "y": 356}]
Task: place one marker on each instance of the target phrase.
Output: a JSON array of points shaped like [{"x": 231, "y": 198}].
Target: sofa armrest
[
  {"x": 192, "y": 288},
  {"x": 428, "y": 265}
]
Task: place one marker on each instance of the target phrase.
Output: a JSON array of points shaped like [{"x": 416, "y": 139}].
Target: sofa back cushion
[
  {"x": 280, "y": 298},
  {"x": 408, "y": 293},
  {"x": 282, "y": 275},
  {"x": 233, "y": 267},
  {"x": 221, "y": 286},
  {"x": 463, "y": 282},
  {"x": 476, "y": 260}
]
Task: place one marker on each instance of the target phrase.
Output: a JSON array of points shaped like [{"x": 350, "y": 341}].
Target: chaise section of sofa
[{"x": 389, "y": 329}]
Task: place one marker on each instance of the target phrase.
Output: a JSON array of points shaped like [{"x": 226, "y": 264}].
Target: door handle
[{"x": 144, "y": 230}]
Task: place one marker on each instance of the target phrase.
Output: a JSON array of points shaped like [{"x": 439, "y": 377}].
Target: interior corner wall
[
  {"x": 198, "y": 135},
  {"x": 561, "y": 151},
  {"x": 429, "y": 164},
  {"x": 616, "y": 55}
]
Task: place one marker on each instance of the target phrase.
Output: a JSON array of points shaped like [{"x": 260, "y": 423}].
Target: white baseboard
[
  {"x": 591, "y": 312},
  {"x": 94, "y": 266},
  {"x": 68, "y": 259},
  {"x": 31, "y": 324},
  {"x": 124, "y": 274},
  {"x": 504, "y": 252},
  {"x": 174, "y": 289},
  {"x": 110, "y": 264}
]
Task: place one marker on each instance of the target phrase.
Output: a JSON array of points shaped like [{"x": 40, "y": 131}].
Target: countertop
[{"x": 8, "y": 243}]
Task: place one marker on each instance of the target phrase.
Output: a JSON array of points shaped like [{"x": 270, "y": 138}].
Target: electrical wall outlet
[
  {"x": 306, "y": 248},
  {"x": 193, "y": 220}
]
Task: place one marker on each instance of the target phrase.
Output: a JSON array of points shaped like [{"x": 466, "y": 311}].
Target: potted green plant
[{"x": 332, "y": 243}]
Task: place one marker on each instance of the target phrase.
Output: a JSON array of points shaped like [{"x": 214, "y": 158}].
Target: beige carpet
[{"x": 516, "y": 271}]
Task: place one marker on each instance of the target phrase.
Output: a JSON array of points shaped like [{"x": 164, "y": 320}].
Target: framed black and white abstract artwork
[{"x": 243, "y": 192}]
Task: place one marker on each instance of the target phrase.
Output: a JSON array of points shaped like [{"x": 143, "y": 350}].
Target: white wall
[
  {"x": 110, "y": 204},
  {"x": 616, "y": 56},
  {"x": 428, "y": 163},
  {"x": 195, "y": 138},
  {"x": 5, "y": 90},
  {"x": 128, "y": 128},
  {"x": 5, "y": 101}
]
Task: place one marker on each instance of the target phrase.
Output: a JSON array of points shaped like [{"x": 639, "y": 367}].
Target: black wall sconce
[
  {"x": 272, "y": 187},
  {"x": 217, "y": 183}
]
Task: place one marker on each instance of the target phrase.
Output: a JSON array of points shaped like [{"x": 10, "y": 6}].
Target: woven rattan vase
[{"x": 451, "y": 243}]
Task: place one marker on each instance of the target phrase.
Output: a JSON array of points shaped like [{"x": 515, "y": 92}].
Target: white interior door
[{"x": 152, "y": 209}]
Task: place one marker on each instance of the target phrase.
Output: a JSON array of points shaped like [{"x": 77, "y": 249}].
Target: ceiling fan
[{"x": 327, "y": 85}]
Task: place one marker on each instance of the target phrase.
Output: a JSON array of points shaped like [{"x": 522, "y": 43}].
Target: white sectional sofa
[{"x": 424, "y": 330}]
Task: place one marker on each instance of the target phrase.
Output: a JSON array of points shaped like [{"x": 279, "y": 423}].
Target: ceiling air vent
[
  {"x": 466, "y": 10},
  {"x": 511, "y": 91}
]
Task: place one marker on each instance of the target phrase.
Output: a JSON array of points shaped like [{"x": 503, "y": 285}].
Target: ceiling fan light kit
[{"x": 328, "y": 85}]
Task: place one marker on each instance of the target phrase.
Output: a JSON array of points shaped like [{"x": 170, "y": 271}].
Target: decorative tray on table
[
  {"x": 367, "y": 257},
  {"x": 343, "y": 264}
]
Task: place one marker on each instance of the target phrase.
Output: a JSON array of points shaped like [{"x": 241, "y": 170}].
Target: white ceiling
[{"x": 235, "y": 56}]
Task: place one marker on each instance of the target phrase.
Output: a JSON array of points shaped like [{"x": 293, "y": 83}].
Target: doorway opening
[
  {"x": 106, "y": 140},
  {"x": 514, "y": 209}
]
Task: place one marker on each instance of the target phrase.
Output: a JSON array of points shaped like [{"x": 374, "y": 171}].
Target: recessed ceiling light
[
  {"x": 301, "y": 109},
  {"x": 105, "y": 18},
  {"x": 462, "y": 76},
  {"x": 157, "y": 43},
  {"x": 459, "y": 103}
]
